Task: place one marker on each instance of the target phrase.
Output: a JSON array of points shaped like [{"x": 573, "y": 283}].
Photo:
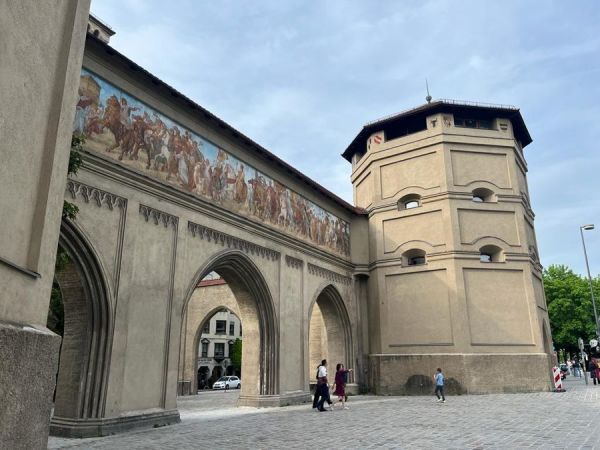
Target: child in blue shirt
[{"x": 439, "y": 385}]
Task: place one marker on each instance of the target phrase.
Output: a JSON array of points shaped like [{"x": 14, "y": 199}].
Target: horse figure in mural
[
  {"x": 112, "y": 120},
  {"x": 258, "y": 197}
]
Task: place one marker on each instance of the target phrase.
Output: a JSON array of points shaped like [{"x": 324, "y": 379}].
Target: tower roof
[{"x": 413, "y": 120}]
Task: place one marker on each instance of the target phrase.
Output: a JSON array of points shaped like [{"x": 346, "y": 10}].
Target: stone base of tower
[
  {"x": 465, "y": 373},
  {"x": 29, "y": 356}
]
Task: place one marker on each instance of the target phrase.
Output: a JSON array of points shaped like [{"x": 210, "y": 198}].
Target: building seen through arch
[{"x": 211, "y": 328}]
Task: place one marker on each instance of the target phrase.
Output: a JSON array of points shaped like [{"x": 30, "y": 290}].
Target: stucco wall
[{"x": 453, "y": 304}]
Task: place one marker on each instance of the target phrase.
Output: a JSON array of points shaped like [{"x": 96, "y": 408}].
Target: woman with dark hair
[{"x": 340, "y": 383}]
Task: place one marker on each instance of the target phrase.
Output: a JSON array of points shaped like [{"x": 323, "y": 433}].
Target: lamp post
[{"x": 587, "y": 265}]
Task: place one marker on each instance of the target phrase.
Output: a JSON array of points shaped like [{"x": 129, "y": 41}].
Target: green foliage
[
  {"x": 69, "y": 210},
  {"x": 75, "y": 161},
  {"x": 236, "y": 355},
  {"x": 56, "y": 312},
  {"x": 569, "y": 306}
]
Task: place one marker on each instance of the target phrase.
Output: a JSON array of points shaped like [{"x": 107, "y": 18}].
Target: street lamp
[{"x": 587, "y": 265}]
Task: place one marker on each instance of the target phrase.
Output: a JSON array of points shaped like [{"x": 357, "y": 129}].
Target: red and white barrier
[{"x": 558, "y": 386}]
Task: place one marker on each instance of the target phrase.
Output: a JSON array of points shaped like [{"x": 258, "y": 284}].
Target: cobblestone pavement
[{"x": 541, "y": 420}]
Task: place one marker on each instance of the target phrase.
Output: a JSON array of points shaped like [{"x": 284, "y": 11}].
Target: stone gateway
[{"x": 436, "y": 265}]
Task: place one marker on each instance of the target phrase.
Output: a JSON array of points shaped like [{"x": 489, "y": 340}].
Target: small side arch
[{"x": 329, "y": 322}]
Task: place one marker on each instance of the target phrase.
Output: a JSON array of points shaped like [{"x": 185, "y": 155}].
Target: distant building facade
[{"x": 216, "y": 346}]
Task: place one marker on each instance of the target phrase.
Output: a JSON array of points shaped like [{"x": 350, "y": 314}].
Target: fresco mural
[{"x": 122, "y": 127}]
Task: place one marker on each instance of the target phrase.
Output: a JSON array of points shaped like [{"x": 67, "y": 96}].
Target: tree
[
  {"x": 236, "y": 356},
  {"x": 56, "y": 313},
  {"x": 569, "y": 306},
  {"x": 77, "y": 140}
]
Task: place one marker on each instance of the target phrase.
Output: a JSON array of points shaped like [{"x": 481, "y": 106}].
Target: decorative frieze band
[
  {"x": 328, "y": 274},
  {"x": 294, "y": 263},
  {"x": 226, "y": 240},
  {"x": 158, "y": 216},
  {"x": 99, "y": 196}
]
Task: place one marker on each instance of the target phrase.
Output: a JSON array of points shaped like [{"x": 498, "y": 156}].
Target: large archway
[
  {"x": 81, "y": 385},
  {"x": 330, "y": 335},
  {"x": 260, "y": 353}
]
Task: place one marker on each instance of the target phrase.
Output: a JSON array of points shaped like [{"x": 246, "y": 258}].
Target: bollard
[{"x": 558, "y": 386}]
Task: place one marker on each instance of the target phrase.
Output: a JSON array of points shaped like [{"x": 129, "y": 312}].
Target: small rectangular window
[
  {"x": 205, "y": 349},
  {"x": 206, "y": 328},
  {"x": 484, "y": 124},
  {"x": 219, "y": 350},
  {"x": 221, "y": 327},
  {"x": 231, "y": 328}
]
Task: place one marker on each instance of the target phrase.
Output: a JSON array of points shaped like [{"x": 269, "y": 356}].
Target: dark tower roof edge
[{"x": 407, "y": 119}]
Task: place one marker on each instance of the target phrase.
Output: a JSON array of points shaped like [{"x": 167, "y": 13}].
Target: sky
[{"x": 301, "y": 78}]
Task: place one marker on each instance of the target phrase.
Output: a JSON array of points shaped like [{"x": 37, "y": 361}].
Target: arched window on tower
[
  {"x": 409, "y": 201},
  {"x": 414, "y": 257},
  {"x": 483, "y": 195},
  {"x": 491, "y": 253}
]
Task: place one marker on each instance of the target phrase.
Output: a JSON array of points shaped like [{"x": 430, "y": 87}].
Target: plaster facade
[
  {"x": 454, "y": 274},
  {"x": 393, "y": 288},
  {"x": 42, "y": 48},
  {"x": 437, "y": 265}
]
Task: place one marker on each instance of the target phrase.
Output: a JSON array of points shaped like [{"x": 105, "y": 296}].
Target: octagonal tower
[{"x": 454, "y": 274}]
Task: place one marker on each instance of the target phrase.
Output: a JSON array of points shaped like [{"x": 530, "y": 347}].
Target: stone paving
[{"x": 541, "y": 420}]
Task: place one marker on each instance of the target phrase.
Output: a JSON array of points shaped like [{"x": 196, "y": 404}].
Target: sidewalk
[{"x": 544, "y": 420}]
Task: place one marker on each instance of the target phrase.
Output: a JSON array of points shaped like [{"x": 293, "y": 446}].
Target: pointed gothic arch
[
  {"x": 330, "y": 330},
  {"x": 260, "y": 360},
  {"x": 87, "y": 341}
]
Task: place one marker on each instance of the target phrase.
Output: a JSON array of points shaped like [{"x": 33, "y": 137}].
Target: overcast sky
[{"x": 302, "y": 77}]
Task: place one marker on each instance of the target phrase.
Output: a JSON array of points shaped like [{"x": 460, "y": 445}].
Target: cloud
[{"x": 302, "y": 77}]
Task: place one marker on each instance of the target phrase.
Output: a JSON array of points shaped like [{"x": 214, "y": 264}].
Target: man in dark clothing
[
  {"x": 323, "y": 386},
  {"x": 318, "y": 386}
]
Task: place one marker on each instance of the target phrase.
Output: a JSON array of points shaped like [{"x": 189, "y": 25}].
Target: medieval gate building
[{"x": 436, "y": 265}]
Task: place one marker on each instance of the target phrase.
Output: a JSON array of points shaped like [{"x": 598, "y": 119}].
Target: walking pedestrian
[
  {"x": 340, "y": 384},
  {"x": 318, "y": 386},
  {"x": 593, "y": 369},
  {"x": 576, "y": 368},
  {"x": 439, "y": 380},
  {"x": 323, "y": 386}
]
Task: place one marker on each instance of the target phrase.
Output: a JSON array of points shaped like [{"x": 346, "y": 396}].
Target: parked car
[{"x": 229, "y": 382}]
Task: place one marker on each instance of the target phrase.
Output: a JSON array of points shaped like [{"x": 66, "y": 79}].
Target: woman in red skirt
[{"x": 340, "y": 383}]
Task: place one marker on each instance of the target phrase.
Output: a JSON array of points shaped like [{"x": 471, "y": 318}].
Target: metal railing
[{"x": 446, "y": 101}]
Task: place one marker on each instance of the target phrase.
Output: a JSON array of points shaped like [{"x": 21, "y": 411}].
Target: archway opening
[
  {"x": 213, "y": 340},
  {"x": 329, "y": 334},
  {"x": 79, "y": 311},
  {"x": 229, "y": 303}
]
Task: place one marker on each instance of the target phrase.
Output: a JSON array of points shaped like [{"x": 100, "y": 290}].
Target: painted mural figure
[{"x": 152, "y": 143}]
